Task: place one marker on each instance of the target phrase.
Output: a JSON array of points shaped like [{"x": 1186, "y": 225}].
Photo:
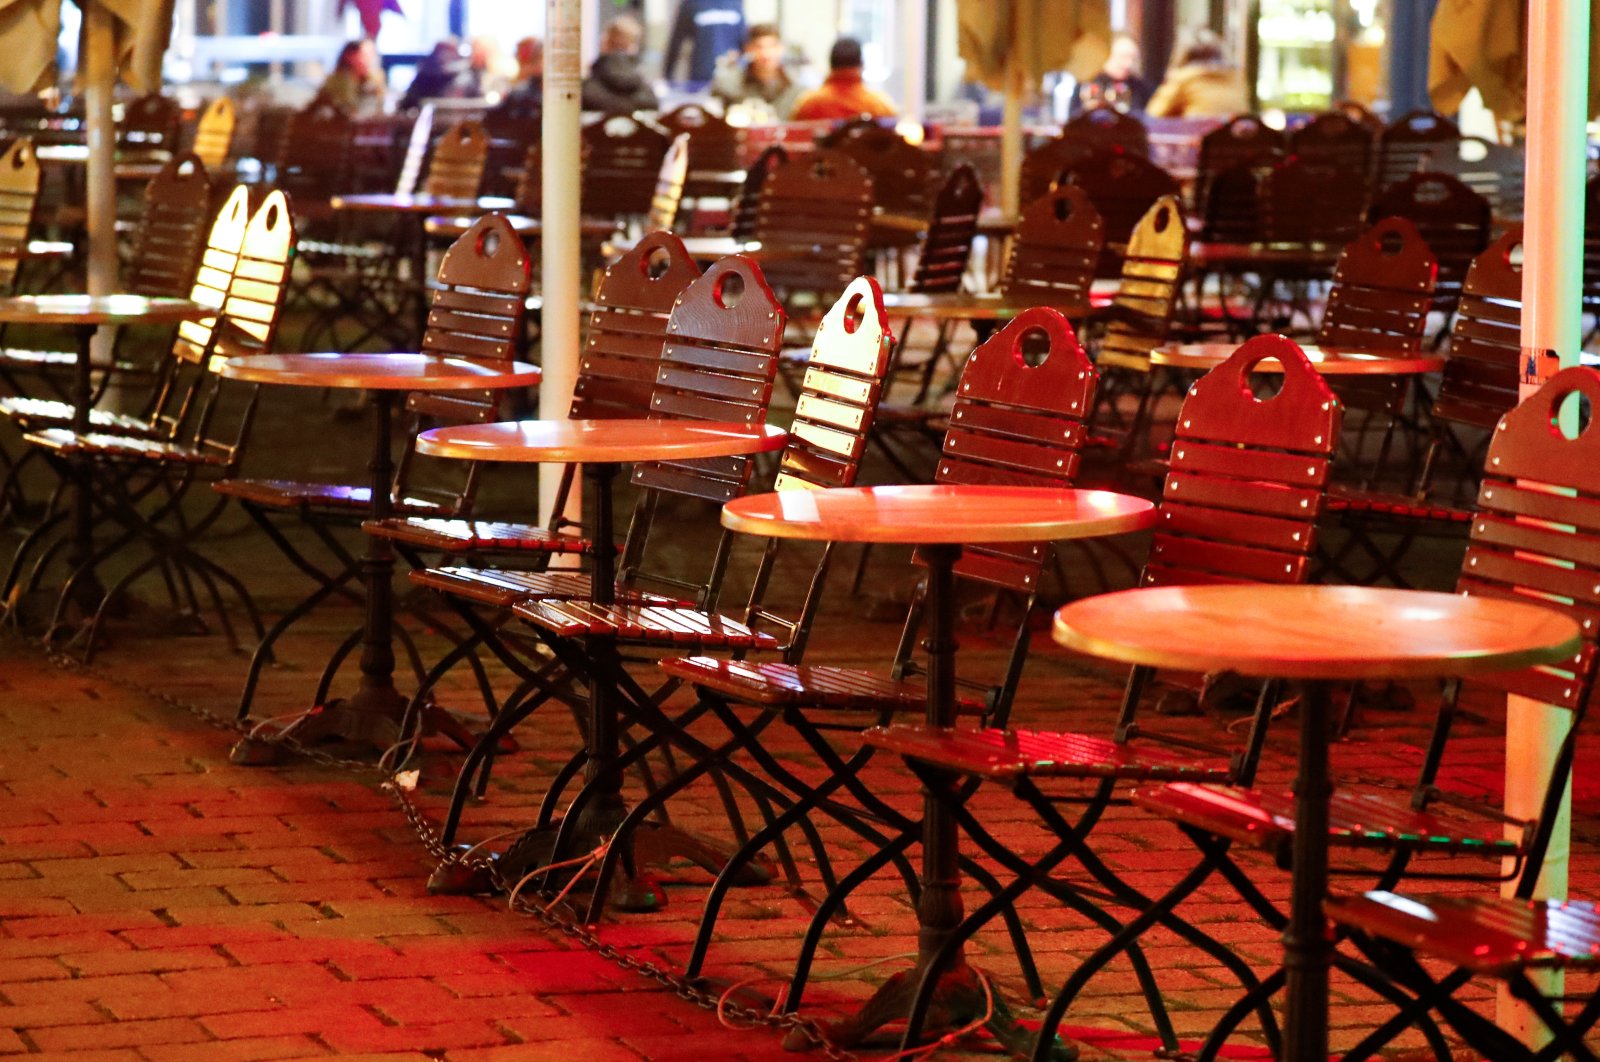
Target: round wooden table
[
  {"x": 938, "y": 519},
  {"x": 453, "y": 225},
  {"x": 1316, "y": 635},
  {"x": 602, "y": 447},
  {"x": 1209, "y": 254},
  {"x": 374, "y": 712},
  {"x": 84, "y": 315},
  {"x": 1328, "y": 361}
]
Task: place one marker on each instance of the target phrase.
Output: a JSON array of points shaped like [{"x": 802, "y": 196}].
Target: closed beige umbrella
[{"x": 1483, "y": 45}]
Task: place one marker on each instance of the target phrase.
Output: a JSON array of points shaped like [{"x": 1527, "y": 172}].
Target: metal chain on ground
[{"x": 428, "y": 835}]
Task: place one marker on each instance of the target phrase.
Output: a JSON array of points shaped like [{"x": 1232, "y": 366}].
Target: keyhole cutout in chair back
[
  {"x": 1264, "y": 379},
  {"x": 1033, "y": 347},
  {"x": 729, "y": 290},
  {"x": 1571, "y": 415}
]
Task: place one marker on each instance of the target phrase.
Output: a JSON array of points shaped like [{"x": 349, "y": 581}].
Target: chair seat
[
  {"x": 31, "y": 411},
  {"x": 1006, "y": 755},
  {"x": 1265, "y": 819},
  {"x": 648, "y": 623},
  {"x": 1400, "y": 506},
  {"x": 460, "y": 536},
  {"x": 502, "y": 588},
  {"x": 296, "y": 494},
  {"x": 1485, "y": 934},
  {"x": 800, "y": 685},
  {"x": 69, "y": 443}
]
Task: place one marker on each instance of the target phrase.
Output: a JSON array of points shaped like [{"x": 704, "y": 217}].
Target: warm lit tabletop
[
  {"x": 924, "y": 514},
  {"x": 380, "y": 372},
  {"x": 1316, "y": 632},
  {"x": 1326, "y": 360},
  {"x": 1208, "y": 252},
  {"x": 83, "y": 310},
  {"x": 614, "y": 441},
  {"x": 389, "y": 203},
  {"x": 521, "y": 224}
]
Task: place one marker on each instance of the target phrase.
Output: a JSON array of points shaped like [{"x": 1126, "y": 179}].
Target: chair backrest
[
  {"x": 1452, "y": 219},
  {"x": 213, "y": 134},
  {"x": 415, "y": 156},
  {"x": 1242, "y": 140},
  {"x": 172, "y": 229},
  {"x": 952, "y": 224},
  {"x": 748, "y": 206},
  {"x": 621, "y": 158},
  {"x": 1338, "y": 138},
  {"x": 1055, "y": 250},
  {"x": 1245, "y": 488},
  {"x": 260, "y": 280},
  {"x": 1151, "y": 271},
  {"x": 713, "y": 144},
  {"x": 149, "y": 123},
  {"x": 1042, "y": 166},
  {"x": 1299, "y": 180},
  {"x": 19, "y": 195},
  {"x": 663, "y": 211},
  {"x": 1536, "y": 536},
  {"x": 314, "y": 157},
  {"x": 512, "y": 126},
  {"x": 456, "y": 169},
  {"x": 901, "y": 172},
  {"x": 1483, "y": 375},
  {"x": 815, "y": 213},
  {"x": 1494, "y": 171},
  {"x": 721, "y": 356},
  {"x": 1103, "y": 127},
  {"x": 628, "y": 328},
  {"x": 839, "y": 394},
  {"x": 1018, "y": 421},
  {"x": 1405, "y": 144},
  {"x": 1382, "y": 291},
  {"x": 1230, "y": 202},
  {"x": 1123, "y": 187},
  {"x": 529, "y": 193}
]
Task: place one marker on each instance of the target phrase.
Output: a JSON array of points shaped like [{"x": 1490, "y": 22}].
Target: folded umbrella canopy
[
  {"x": 29, "y": 30},
  {"x": 1483, "y": 44}
]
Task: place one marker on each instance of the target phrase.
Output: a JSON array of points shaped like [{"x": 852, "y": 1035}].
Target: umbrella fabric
[
  {"x": 1483, "y": 44},
  {"x": 143, "y": 29},
  {"x": 28, "y": 33},
  {"x": 1042, "y": 36},
  {"x": 371, "y": 12}
]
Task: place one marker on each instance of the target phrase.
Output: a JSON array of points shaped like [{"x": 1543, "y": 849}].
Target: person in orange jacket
[{"x": 842, "y": 95}]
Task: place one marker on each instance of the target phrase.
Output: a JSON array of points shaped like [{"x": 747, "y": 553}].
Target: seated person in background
[
  {"x": 528, "y": 88},
  {"x": 758, "y": 78},
  {"x": 1118, "y": 82},
  {"x": 615, "y": 83},
  {"x": 356, "y": 85},
  {"x": 1201, "y": 84},
  {"x": 444, "y": 74},
  {"x": 842, "y": 95}
]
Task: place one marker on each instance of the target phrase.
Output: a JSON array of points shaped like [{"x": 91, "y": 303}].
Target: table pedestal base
[
  {"x": 959, "y": 1000},
  {"x": 371, "y": 720}
]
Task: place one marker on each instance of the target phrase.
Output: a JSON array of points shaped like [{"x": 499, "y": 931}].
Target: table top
[
  {"x": 610, "y": 441},
  {"x": 1209, "y": 252},
  {"x": 1328, "y": 361},
  {"x": 1316, "y": 632},
  {"x": 379, "y": 372},
  {"x": 98, "y": 310},
  {"x": 388, "y": 202},
  {"x": 966, "y": 306},
  {"x": 521, "y": 224},
  {"x": 928, "y": 514}
]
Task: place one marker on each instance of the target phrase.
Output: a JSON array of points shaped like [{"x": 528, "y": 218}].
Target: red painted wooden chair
[
  {"x": 621, "y": 160},
  {"x": 1243, "y": 140},
  {"x": 1340, "y": 138},
  {"x": 747, "y": 204},
  {"x": 813, "y": 220},
  {"x": 1453, "y": 221},
  {"x": 1123, "y": 186},
  {"x": 1239, "y": 505},
  {"x": 1406, "y": 143},
  {"x": 456, "y": 165},
  {"x": 1103, "y": 127}
]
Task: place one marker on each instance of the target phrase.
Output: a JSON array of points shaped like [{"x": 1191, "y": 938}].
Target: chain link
[{"x": 428, "y": 836}]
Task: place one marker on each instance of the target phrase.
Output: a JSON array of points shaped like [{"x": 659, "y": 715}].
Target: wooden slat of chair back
[
  {"x": 1405, "y": 144},
  {"x": 663, "y": 213},
  {"x": 748, "y": 207},
  {"x": 19, "y": 196},
  {"x": 172, "y": 229},
  {"x": 953, "y": 223},
  {"x": 628, "y": 328},
  {"x": 815, "y": 215},
  {"x": 1241, "y": 141},
  {"x": 1055, "y": 250},
  {"x": 1103, "y": 127},
  {"x": 1494, "y": 171},
  {"x": 1018, "y": 423},
  {"x": 218, "y": 260},
  {"x": 718, "y": 364},
  {"x": 622, "y": 156},
  {"x": 901, "y": 172},
  {"x": 1537, "y": 533},
  {"x": 513, "y": 126},
  {"x": 416, "y": 152},
  {"x": 1245, "y": 488},
  {"x": 455, "y": 170},
  {"x": 314, "y": 157},
  {"x": 213, "y": 134},
  {"x": 1453, "y": 220},
  {"x": 1289, "y": 187},
  {"x": 477, "y": 310},
  {"x": 1122, "y": 186},
  {"x": 1148, "y": 294},
  {"x": 714, "y": 145},
  {"x": 260, "y": 280},
  {"x": 839, "y": 395},
  {"x": 1336, "y": 137},
  {"x": 149, "y": 123},
  {"x": 529, "y": 194},
  {"x": 1230, "y": 203},
  {"x": 1382, "y": 290},
  {"x": 1483, "y": 375}
]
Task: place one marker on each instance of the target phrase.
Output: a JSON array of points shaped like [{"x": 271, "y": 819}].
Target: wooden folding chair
[
  {"x": 747, "y": 204},
  {"x": 1102, "y": 128},
  {"x": 621, "y": 160},
  {"x": 19, "y": 197},
  {"x": 213, "y": 134},
  {"x": 1243, "y": 140},
  {"x": 663, "y": 213},
  {"x": 1123, "y": 186},
  {"x": 455, "y": 168},
  {"x": 812, "y": 221},
  {"x": 1406, "y": 143},
  {"x": 149, "y": 124},
  {"x": 1454, "y": 222},
  {"x": 1338, "y": 138}
]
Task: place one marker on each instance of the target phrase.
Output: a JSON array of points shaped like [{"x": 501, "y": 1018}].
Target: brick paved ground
[{"x": 157, "y": 902}]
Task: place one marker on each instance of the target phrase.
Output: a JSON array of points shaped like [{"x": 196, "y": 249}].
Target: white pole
[
  {"x": 99, "y": 67},
  {"x": 914, "y": 57},
  {"x": 1011, "y": 141},
  {"x": 561, "y": 286},
  {"x": 1552, "y": 272}
]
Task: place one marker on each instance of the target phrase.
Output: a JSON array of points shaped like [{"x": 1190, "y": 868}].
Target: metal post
[
  {"x": 914, "y": 57},
  {"x": 1011, "y": 141},
  {"x": 562, "y": 287},
  {"x": 99, "y": 79},
  {"x": 1552, "y": 271}
]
